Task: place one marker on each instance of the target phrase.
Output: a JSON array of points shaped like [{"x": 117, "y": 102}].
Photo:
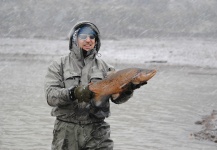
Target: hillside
[{"x": 115, "y": 18}]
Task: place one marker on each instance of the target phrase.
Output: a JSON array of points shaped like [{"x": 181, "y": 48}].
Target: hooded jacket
[{"x": 73, "y": 70}]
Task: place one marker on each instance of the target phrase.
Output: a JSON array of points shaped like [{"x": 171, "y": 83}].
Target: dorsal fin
[{"x": 110, "y": 73}]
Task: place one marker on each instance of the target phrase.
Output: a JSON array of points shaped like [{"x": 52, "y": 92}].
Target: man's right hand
[{"x": 82, "y": 93}]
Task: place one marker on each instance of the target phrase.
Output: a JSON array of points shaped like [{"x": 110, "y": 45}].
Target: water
[{"x": 160, "y": 115}]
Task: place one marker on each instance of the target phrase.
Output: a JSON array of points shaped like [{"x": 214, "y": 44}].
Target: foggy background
[
  {"x": 115, "y": 18},
  {"x": 176, "y": 37}
]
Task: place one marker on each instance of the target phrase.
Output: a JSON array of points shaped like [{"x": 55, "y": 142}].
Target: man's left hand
[{"x": 137, "y": 86}]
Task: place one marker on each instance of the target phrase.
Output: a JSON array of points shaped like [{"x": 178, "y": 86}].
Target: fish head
[{"x": 144, "y": 76}]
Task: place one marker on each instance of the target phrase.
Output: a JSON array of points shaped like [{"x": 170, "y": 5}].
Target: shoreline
[
  {"x": 47, "y": 58},
  {"x": 180, "y": 52}
]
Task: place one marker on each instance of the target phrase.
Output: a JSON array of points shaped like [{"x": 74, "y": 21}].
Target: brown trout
[{"x": 118, "y": 81}]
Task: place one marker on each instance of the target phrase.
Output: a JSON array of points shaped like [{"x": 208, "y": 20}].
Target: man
[{"x": 79, "y": 121}]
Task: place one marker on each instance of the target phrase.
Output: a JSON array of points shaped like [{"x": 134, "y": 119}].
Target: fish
[{"x": 118, "y": 81}]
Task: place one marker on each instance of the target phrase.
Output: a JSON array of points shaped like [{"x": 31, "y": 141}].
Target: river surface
[{"x": 160, "y": 116}]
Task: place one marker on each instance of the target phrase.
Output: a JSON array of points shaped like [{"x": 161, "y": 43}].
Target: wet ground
[{"x": 160, "y": 116}]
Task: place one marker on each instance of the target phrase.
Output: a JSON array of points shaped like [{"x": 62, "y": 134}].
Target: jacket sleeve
[{"x": 55, "y": 92}]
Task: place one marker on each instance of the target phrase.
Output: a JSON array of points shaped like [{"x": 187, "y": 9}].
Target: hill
[{"x": 115, "y": 18}]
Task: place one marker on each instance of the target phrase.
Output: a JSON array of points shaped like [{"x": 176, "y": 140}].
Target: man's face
[{"x": 86, "y": 41}]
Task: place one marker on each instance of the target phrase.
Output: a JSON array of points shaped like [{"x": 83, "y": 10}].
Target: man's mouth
[{"x": 87, "y": 45}]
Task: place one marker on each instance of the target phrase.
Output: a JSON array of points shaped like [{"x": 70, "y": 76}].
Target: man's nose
[{"x": 88, "y": 38}]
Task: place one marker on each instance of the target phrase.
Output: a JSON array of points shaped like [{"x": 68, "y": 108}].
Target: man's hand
[
  {"x": 82, "y": 93},
  {"x": 131, "y": 87}
]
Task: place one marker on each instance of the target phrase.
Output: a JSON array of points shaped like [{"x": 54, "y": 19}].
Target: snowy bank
[{"x": 178, "y": 51}]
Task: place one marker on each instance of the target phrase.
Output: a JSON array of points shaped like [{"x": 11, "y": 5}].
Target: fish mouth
[
  {"x": 147, "y": 74},
  {"x": 143, "y": 76},
  {"x": 152, "y": 73}
]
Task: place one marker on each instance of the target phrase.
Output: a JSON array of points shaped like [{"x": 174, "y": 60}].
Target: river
[{"x": 160, "y": 116}]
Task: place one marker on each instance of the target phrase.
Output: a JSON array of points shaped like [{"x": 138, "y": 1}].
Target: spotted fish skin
[{"x": 116, "y": 82}]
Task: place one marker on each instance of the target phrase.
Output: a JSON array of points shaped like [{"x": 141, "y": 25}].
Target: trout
[{"x": 118, "y": 82}]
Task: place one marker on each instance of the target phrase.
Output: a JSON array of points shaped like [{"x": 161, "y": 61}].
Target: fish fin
[
  {"x": 115, "y": 96},
  {"x": 90, "y": 83},
  {"x": 110, "y": 73},
  {"x": 135, "y": 79},
  {"x": 97, "y": 97},
  {"x": 135, "y": 82}
]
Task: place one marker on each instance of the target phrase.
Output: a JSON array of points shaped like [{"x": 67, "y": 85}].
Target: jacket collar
[{"x": 78, "y": 54}]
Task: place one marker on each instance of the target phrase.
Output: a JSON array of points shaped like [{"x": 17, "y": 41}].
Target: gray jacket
[{"x": 73, "y": 70}]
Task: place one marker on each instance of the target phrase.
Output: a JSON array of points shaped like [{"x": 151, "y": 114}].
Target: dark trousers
[{"x": 71, "y": 136}]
